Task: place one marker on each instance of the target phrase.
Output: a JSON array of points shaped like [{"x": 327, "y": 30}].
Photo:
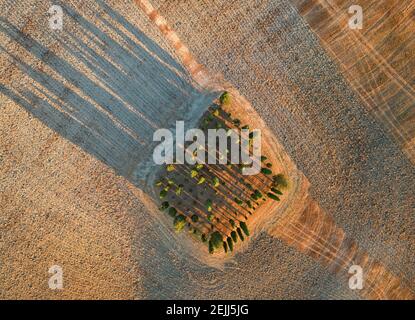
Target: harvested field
[
  {"x": 379, "y": 63},
  {"x": 349, "y": 159},
  {"x": 78, "y": 111}
]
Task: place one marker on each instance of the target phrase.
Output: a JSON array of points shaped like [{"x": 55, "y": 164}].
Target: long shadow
[
  {"x": 106, "y": 89},
  {"x": 126, "y": 90},
  {"x": 139, "y": 36}
]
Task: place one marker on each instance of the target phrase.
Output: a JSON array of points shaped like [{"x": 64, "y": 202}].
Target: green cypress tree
[
  {"x": 241, "y": 236},
  {"x": 244, "y": 228},
  {"x": 234, "y": 236},
  {"x": 230, "y": 243}
]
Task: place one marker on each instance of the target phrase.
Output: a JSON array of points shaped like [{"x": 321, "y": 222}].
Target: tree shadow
[{"x": 120, "y": 90}]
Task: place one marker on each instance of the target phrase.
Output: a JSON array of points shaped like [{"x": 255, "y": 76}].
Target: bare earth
[{"x": 78, "y": 108}]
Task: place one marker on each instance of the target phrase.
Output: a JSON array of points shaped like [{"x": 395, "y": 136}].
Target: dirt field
[
  {"x": 78, "y": 110},
  {"x": 379, "y": 65},
  {"x": 349, "y": 159}
]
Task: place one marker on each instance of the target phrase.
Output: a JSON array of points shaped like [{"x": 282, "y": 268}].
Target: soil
[{"x": 78, "y": 111}]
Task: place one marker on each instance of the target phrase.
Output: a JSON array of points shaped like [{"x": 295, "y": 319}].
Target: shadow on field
[{"x": 122, "y": 88}]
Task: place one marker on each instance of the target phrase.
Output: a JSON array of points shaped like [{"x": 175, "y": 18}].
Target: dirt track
[{"x": 61, "y": 203}]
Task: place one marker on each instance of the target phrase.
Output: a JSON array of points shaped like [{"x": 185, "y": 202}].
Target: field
[{"x": 78, "y": 187}]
